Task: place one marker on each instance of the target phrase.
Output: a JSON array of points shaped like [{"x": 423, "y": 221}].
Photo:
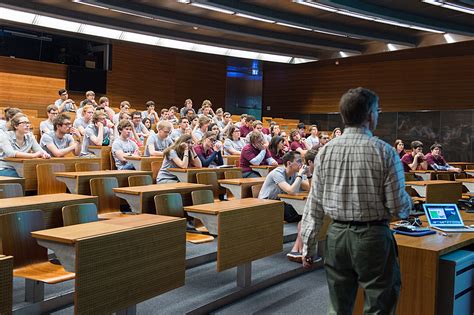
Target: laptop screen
[{"x": 443, "y": 214}]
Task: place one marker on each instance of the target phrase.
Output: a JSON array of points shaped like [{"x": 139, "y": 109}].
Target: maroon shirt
[
  {"x": 431, "y": 159},
  {"x": 408, "y": 159},
  {"x": 248, "y": 153},
  {"x": 277, "y": 157},
  {"x": 295, "y": 145},
  {"x": 244, "y": 131}
]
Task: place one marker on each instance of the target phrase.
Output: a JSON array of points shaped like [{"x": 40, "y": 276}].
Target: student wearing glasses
[
  {"x": 233, "y": 144},
  {"x": 60, "y": 142},
  {"x": 324, "y": 139},
  {"x": 18, "y": 142},
  {"x": 64, "y": 103},
  {"x": 156, "y": 143},
  {"x": 179, "y": 155},
  {"x": 47, "y": 125},
  {"x": 209, "y": 150}
]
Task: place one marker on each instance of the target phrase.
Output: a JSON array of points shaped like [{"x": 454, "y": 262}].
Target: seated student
[
  {"x": 200, "y": 128},
  {"x": 18, "y": 142},
  {"x": 104, "y": 104},
  {"x": 81, "y": 123},
  {"x": 188, "y": 106},
  {"x": 437, "y": 162},
  {"x": 313, "y": 140},
  {"x": 209, "y": 150},
  {"x": 255, "y": 153},
  {"x": 219, "y": 118},
  {"x": 147, "y": 123},
  {"x": 336, "y": 133},
  {"x": 227, "y": 122},
  {"x": 416, "y": 159},
  {"x": 47, "y": 125},
  {"x": 206, "y": 109},
  {"x": 164, "y": 114},
  {"x": 158, "y": 142},
  {"x": 59, "y": 142},
  {"x": 124, "y": 146},
  {"x": 242, "y": 121},
  {"x": 97, "y": 133},
  {"x": 179, "y": 155},
  {"x": 90, "y": 97},
  {"x": 400, "y": 147},
  {"x": 124, "y": 107},
  {"x": 233, "y": 144},
  {"x": 302, "y": 130},
  {"x": 183, "y": 129},
  {"x": 297, "y": 143},
  {"x": 290, "y": 179},
  {"x": 274, "y": 129},
  {"x": 324, "y": 139},
  {"x": 9, "y": 112},
  {"x": 247, "y": 128},
  {"x": 172, "y": 115},
  {"x": 64, "y": 103},
  {"x": 140, "y": 130},
  {"x": 191, "y": 115},
  {"x": 258, "y": 126},
  {"x": 150, "y": 113},
  {"x": 277, "y": 149},
  {"x": 214, "y": 128}
]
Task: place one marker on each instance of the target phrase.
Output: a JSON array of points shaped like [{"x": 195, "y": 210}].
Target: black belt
[{"x": 360, "y": 223}]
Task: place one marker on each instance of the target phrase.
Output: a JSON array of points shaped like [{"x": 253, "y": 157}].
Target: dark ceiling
[{"x": 178, "y": 20}]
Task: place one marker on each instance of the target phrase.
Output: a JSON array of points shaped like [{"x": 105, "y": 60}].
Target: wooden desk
[
  {"x": 143, "y": 163},
  {"x": 208, "y": 212},
  {"x": 420, "y": 185},
  {"x": 12, "y": 180},
  {"x": 51, "y": 205},
  {"x": 468, "y": 183},
  {"x": 103, "y": 153},
  {"x": 112, "y": 271},
  {"x": 78, "y": 182},
  {"x": 141, "y": 198},
  {"x": 263, "y": 170},
  {"x": 461, "y": 165},
  {"x": 241, "y": 187},
  {"x": 231, "y": 159},
  {"x": 419, "y": 261},
  {"x": 426, "y": 175},
  {"x": 249, "y": 229},
  {"x": 298, "y": 201},
  {"x": 188, "y": 175},
  {"x": 26, "y": 168}
]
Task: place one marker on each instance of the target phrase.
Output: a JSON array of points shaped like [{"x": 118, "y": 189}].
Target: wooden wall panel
[
  {"x": 407, "y": 84},
  {"x": 139, "y": 73}
]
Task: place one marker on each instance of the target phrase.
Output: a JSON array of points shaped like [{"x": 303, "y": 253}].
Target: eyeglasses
[
  {"x": 67, "y": 124},
  {"x": 325, "y": 138},
  {"x": 54, "y": 113},
  {"x": 24, "y": 122}
]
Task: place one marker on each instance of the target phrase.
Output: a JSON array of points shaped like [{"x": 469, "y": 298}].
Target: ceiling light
[
  {"x": 210, "y": 49},
  {"x": 90, "y": 4},
  {"x": 451, "y": 6},
  {"x": 254, "y": 18},
  {"x": 274, "y": 58},
  {"x": 16, "y": 16},
  {"x": 294, "y": 26},
  {"x": 391, "y": 47},
  {"x": 176, "y": 44},
  {"x": 139, "y": 38},
  {"x": 425, "y": 29},
  {"x": 50, "y": 22},
  {"x": 316, "y": 5},
  {"x": 132, "y": 13},
  {"x": 343, "y": 54},
  {"x": 356, "y": 15},
  {"x": 302, "y": 60},
  {"x": 390, "y": 22},
  {"x": 242, "y": 54},
  {"x": 210, "y": 7},
  {"x": 449, "y": 38},
  {"x": 100, "y": 31}
]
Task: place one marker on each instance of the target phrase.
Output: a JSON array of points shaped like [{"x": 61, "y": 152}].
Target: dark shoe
[{"x": 295, "y": 257}]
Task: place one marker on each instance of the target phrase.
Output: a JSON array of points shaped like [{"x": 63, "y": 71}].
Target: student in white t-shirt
[
  {"x": 46, "y": 126},
  {"x": 124, "y": 146},
  {"x": 59, "y": 142}
]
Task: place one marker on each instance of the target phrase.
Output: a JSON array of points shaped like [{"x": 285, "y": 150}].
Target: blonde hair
[{"x": 15, "y": 121}]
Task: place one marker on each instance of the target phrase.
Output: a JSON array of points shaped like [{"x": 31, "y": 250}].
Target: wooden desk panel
[
  {"x": 103, "y": 153},
  {"x": 143, "y": 163},
  {"x": 263, "y": 170},
  {"x": 78, "y": 182},
  {"x": 51, "y": 205},
  {"x": 26, "y": 168},
  {"x": 188, "y": 175},
  {"x": 231, "y": 159},
  {"x": 241, "y": 187},
  {"x": 141, "y": 198}
]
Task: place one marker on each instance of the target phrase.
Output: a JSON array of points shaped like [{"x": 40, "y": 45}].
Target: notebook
[{"x": 445, "y": 217}]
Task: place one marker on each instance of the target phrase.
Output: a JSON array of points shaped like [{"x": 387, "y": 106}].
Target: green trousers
[{"x": 364, "y": 256}]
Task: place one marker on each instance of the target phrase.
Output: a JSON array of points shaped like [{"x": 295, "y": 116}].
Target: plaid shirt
[{"x": 357, "y": 177}]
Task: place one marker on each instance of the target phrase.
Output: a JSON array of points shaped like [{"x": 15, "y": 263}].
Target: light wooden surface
[
  {"x": 231, "y": 159},
  {"x": 263, "y": 170},
  {"x": 6, "y": 284},
  {"x": 140, "y": 198},
  {"x": 72, "y": 233},
  {"x": 297, "y": 196},
  {"x": 241, "y": 187},
  {"x": 80, "y": 180},
  {"x": 461, "y": 165},
  {"x": 51, "y": 205},
  {"x": 419, "y": 260},
  {"x": 18, "y": 180},
  {"x": 189, "y": 174},
  {"x": 218, "y": 207},
  {"x": 110, "y": 278},
  {"x": 427, "y": 182},
  {"x": 103, "y": 153},
  {"x": 143, "y": 163},
  {"x": 29, "y": 167},
  {"x": 248, "y": 231}
]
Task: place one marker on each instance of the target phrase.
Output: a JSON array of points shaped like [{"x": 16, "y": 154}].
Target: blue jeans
[
  {"x": 11, "y": 172},
  {"x": 128, "y": 166}
]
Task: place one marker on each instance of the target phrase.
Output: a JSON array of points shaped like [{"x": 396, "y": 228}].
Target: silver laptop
[{"x": 445, "y": 217}]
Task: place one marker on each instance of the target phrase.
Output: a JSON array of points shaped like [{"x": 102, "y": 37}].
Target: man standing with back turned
[{"x": 359, "y": 182}]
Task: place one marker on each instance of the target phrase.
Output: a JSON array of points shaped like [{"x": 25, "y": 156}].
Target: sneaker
[
  {"x": 317, "y": 259},
  {"x": 295, "y": 257}
]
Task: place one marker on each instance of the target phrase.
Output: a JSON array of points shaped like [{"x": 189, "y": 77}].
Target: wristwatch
[{"x": 308, "y": 259}]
